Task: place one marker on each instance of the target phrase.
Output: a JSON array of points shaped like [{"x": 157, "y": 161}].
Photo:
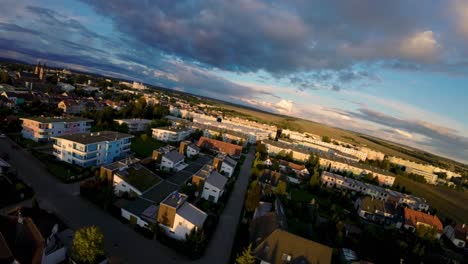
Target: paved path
[
  {"x": 120, "y": 240},
  {"x": 219, "y": 248}
]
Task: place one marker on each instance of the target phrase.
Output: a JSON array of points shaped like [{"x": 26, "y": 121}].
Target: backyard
[{"x": 144, "y": 145}]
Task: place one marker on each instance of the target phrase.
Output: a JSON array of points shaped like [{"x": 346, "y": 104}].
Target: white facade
[
  {"x": 134, "y": 125},
  {"x": 92, "y": 149},
  {"x": 227, "y": 169},
  {"x": 171, "y": 134},
  {"x": 211, "y": 193},
  {"x": 121, "y": 186},
  {"x": 192, "y": 151},
  {"x": 43, "y": 128},
  {"x": 181, "y": 228},
  {"x": 167, "y": 164},
  {"x": 128, "y": 215}
]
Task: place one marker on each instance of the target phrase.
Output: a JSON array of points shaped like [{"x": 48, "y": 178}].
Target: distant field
[
  {"x": 321, "y": 130},
  {"x": 448, "y": 202}
]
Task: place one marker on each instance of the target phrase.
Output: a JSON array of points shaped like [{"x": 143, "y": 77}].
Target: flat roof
[
  {"x": 56, "y": 119},
  {"x": 181, "y": 177},
  {"x": 134, "y": 120},
  {"x": 173, "y": 129},
  {"x": 139, "y": 177},
  {"x": 95, "y": 137},
  {"x": 158, "y": 193},
  {"x": 175, "y": 199}
]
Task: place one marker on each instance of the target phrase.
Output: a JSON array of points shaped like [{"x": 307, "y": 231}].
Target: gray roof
[
  {"x": 95, "y": 137},
  {"x": 231, "y": 162},
  {"x": 175, "y": 200},
  {"x": 159, "y": 192},
  {"x": 192, "y": 214},
  {"x": 194, "y": 146},
  {"x": 217, "y": 180},
  {"x": 174, "y": 156},
  {"x": 4, "y": 163},
  {"x": 138, "y": 206}
]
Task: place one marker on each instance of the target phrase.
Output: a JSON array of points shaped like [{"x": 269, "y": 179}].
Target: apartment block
[
  {"x": 171, "y": 134},
  {"x": 135, "y": 124},
  {"x": 92, "y": 149},
  {"x": 41, "y": 129}
]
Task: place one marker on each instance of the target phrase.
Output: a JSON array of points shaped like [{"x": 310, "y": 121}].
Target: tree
[
  {"x": 281, "y": 188},
  {"x": 88, "y": 244},
  {"x": 253, "y": 196},
  {"x": 326, "y": 139},
  {"x": 195, "y": 241},
  {"x": 314, "y": 179},
  {"x": 246, "y": 257}
]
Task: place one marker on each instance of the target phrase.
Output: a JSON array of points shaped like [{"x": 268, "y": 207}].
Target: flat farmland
[{"x": 448, "y": 202}]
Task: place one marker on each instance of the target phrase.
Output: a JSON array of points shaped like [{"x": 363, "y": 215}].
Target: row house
[
  {"x": 41, "y": 129},
  {"x": 233, "y": 150}
]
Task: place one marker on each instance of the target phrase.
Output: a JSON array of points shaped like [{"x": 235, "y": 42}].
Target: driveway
[
  {"x": 220, "y": 245},
  {"x": 120, "y": 240}
]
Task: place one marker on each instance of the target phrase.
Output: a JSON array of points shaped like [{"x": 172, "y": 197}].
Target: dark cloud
[{"x": 275, "y": 36}]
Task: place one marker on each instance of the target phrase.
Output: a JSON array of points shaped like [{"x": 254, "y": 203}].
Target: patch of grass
[
  {"x": 144, "y": 145},
  {"x": 448, "y": 202},
  {"x": 301, "y": 196}
]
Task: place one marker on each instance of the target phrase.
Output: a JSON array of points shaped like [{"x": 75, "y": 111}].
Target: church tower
[
  {"x": 42, "y": 72},
  {"x": 36, "y": 70}
]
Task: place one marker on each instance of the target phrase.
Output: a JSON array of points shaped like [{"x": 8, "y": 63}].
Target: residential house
[
  {"x": 33, "y": 236},
  {"x": 17, "y": 97},
  {"x": 178, "y": 217},
  {"x": 199, "y": 178},
  {"x": 172, "y": 160},
  {"x": 134, "y": 125},
  {"x": 267, "y": 218},
  {"x": 233, "y": 150},
  {"x": 214, "y": 186},
  {"x": 272, "y": 178},
  {"x": 378, "y": 211},
  {"x": 159, "y": 153},
  {"x": 224, "y": 164},
  {"x": 298, "y": 169},
  {"x": 41, "y": 129},
  {"x": 457, "y": 234},
  {"x": 134, "y": 180},
  {"x": 414, "y": 219},
  {"x": 284, "y": 247},
  {"x": 92, "y": 149},
  {"x": 189, "y": 149},
  {"x": 171, "y": 134},
  {"x": 70, "y": 106}
]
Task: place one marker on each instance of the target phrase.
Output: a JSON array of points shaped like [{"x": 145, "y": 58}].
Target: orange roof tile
[
  {"x": 413, "y": 217},
  {"x": 220, "y": 146}
]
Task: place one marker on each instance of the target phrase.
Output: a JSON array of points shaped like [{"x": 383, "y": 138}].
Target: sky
[{"x": 396, "y": 69}]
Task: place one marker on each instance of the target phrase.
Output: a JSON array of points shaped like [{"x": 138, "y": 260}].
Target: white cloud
[
  {"x": 404, "y": 133},
  {"x": 421, "y": 46}
]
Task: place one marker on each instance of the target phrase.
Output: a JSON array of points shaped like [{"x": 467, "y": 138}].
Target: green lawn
[
  {"x": 448, "y": 202},
  {"x": 143, "y": 145},
  {"x": 301, "y": 195}
]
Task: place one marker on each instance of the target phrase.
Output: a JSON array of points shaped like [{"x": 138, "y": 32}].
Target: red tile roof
[
  {"x": 221, "y": 146},
  {"x": 413, "y": 217}
]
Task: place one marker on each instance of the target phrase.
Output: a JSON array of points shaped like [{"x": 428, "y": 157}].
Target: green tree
[
  {"x": 246, "y": 257},
  {"x": 253, "y": 196},
  {"x": 326, "y": 139},
  {"x": 195, "y": 241},
  {"x": 88, "y": 244},
  {"x": 426, "y": 232},
  {"x": 281, "y": 188},
  {"x": 314, "y": 179}
]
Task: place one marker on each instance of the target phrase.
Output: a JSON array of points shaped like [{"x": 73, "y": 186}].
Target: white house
[
  {"x": 458, "y": 234},
  {"x": 92, "y": 149},
  {"x": 214, "y": 186},
  {"x": 225, "y": 164},
  {"x": 171, "y": 134},
  {"x": 171, "y": 160},
  {"x": 135, "y": 124},
  {"x": 42, "y": 129},
  {"x": 178, "y": 217},
  {"x": 192, "y": 150},
  {"x": 134, "y": 180}
]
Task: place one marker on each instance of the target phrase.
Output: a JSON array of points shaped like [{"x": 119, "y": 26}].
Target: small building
[
  {"x": 224, "y": 164},
  {"x": 134, "y": 125},
  {"x": 214, "y": 186},
  {"x": 171, "y": 160},
  {"x": 378, "y": 211},
  {"x": 41, "y": 129},
  {"x": 284, "y": 247},
  {"x": 415, "y": 219},
  {"x": 70, "y": 106},
  {"x": 233, "y": 150},
  {"x": 189, "y": 149},
  {"x": 134, "y": 180},
  {"x": 92, "y": 149},
  {"x": 171, "y": 134},
  {"x": 178, "y": 217},
  {"x": 457, "y": 234}
]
